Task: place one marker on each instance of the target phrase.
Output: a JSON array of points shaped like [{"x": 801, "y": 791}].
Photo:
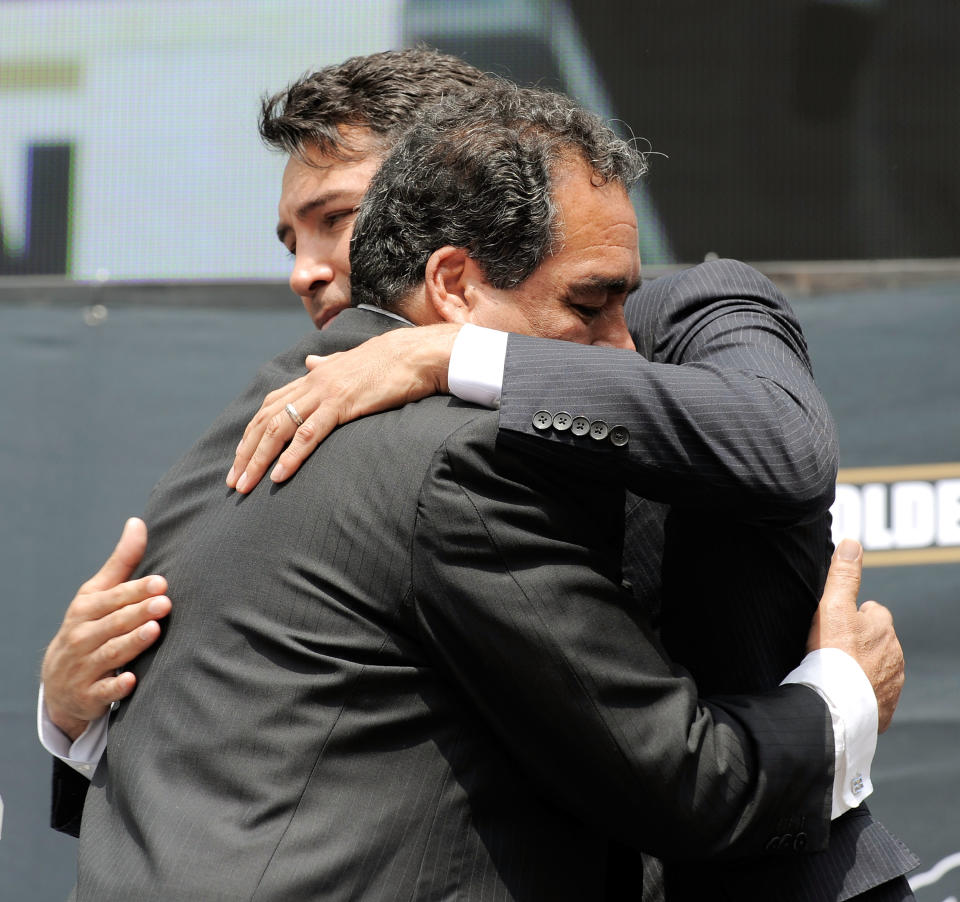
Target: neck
[{"x": 417, "y": 309}]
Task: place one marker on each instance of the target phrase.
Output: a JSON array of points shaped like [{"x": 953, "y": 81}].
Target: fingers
[
  {"x": 266, "y": 434},
  {"x": 79, "y": 666},
  {"x": 867, "y": 634},
  {"x": 843, "y": 577},
  {"x": 83, "y": 649},
  {"x": 124, "y": 559},
  {"x": 114, "y": 688},
  {"x": 383, "y": 373},
  {"x": 109, "y": 622},
  {"x": 122, "y": 649},
  {"x": 270, "y": 425},
  {"x": 888, "y": 693},
  {"x": 886, "y": 657},
  {"x": 313, "y": 431},
  {"x": 131, "y": 630},
  {"x": 278, "y": 431},
  {"x": 272, "y": 428},
  {"x": 95, "y": 606},
  {"x": 832, "y": 619}
]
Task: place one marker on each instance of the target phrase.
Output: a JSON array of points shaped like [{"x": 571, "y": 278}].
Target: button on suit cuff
[
  {"x": 84, "y": 753},
  {"x": 843, "y": 685},
  {"x": 475, "y": 372}
]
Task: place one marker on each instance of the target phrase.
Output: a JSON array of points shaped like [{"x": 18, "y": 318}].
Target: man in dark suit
[{"x": 414, "y": 672}]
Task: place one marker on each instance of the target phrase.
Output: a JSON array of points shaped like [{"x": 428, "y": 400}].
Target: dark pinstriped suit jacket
[
  {"x": 413, "y": 673},
  {"x": 739, "y": 443}
]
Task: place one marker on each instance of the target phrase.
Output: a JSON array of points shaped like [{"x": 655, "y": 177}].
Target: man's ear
[{"x": 453, "y": 283}]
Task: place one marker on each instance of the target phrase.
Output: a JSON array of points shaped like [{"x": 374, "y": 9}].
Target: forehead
[
  {"x": 318, "y": 174},
  {"x": 598, "y": 226}
]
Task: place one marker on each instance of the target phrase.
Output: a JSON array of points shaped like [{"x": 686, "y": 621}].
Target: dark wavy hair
[
  {"x": 382, "y": 92},
  {"x": 476, "y": 173}
]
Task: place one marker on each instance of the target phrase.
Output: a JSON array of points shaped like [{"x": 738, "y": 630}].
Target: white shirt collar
[{"x": 389, "y": 313}]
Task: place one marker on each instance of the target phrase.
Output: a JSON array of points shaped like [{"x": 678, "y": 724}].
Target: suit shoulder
[
  {"x": 435, "y": 420},
  {"x": 729, "y": 278},
  {"x": 667, "y": 312},
  {"x": 410, "y": 438},
  {"x": 476, "y": 452}
]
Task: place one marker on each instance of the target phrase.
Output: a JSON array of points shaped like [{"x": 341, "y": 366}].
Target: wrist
[
  {"x": 433, "y": 351},
  {"x": 71, "y": 727},
  {"x": 477, "y": 361}
]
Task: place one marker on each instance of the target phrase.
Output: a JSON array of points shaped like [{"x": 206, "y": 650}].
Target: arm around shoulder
[
  {"x": 517, "y": 590},
  {"x": 719, "y": 406}
]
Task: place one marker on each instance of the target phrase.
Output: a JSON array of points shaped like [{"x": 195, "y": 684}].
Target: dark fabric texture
[
  {"x": 413, "y": 672},
  {"x": 68, "y": 793},
  {"x": 897, "y": 890},
  {"x": 732, "y": 457}
]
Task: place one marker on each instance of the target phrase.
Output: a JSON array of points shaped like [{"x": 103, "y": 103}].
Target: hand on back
[
  {"x": 866, "y": 634},
  {"x": 385, "y": 372},
  {"x": 109, "y": 622}
]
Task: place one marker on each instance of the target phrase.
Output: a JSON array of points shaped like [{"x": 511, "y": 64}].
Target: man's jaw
[
  {"x": 324, "y": 314},
  {"x": 331, "y": 314}
]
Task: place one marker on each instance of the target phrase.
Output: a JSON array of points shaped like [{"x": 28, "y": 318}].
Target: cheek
[
  {"x": 579, "y": 333},
  {"x": 551, "y": 320},
  {"x": 340, "y": 256},
  {"x": 564, "y": 324}
]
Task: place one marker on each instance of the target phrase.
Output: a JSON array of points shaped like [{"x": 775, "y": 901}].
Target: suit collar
[{"x": 362, "y": 323}]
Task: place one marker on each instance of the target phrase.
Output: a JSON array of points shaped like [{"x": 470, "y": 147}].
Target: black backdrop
[{"x": 795, "y": 130}]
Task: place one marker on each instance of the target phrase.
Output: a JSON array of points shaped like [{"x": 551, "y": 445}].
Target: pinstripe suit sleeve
[
  {"x": 720, "y": 403},
  {"x": 517, "y": 592}
]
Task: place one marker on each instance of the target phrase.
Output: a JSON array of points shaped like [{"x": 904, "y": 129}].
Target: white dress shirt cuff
[
  {"x": 475, "y": 372},
  {"x": 844, "y": 686},
  {"x": 83, "y": 754}
]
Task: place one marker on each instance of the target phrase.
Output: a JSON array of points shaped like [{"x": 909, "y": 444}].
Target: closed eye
[
  {"x": 587, "y": 312},
  {"x": 338, "y": 217}
]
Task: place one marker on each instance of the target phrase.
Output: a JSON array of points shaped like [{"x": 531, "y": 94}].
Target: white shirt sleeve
[
  {"x": 83, "y": 754},
  {"x": 843, "y": 685},
  {"x": 475, "y": 372}
]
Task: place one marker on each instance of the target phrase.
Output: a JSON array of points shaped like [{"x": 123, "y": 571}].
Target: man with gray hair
[
  {"x": 414, "y": 672},
  {"x": 456, "y": 180}
]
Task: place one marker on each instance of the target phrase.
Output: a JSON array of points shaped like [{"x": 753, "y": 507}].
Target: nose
[{"x": 309, "y": 274}]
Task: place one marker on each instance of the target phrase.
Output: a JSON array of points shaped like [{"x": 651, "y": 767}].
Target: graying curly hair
[{"x": 476, "y": 173}]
